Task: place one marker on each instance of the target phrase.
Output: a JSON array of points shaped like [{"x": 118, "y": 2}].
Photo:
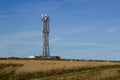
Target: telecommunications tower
[{"x": 45, "y": 32}]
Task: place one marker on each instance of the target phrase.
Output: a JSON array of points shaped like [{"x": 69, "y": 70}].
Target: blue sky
[{"x": 81, "y": 29}]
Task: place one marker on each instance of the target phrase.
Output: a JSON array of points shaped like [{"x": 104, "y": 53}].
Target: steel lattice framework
[{"x": 45, "y": 32}]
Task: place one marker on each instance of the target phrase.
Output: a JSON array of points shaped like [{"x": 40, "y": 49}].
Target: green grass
[
  {"x": 52, "y": 74},
  {"x": 10, "y": 75},
  {"x": 90, "y": 71}
]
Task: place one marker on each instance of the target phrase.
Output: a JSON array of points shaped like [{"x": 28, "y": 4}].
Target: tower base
[{"x": 51, "y": 57}]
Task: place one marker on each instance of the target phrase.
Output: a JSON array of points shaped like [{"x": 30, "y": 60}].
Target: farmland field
[{"x": 58, "y": 70}]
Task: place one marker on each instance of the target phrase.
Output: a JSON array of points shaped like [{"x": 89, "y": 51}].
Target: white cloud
[
  {"x": 75, "y": 1},
  {"x": 36, "y": 7},
  {"x": 9, "y": 15},
  {"x": 30, "y": 8},
  {"x": 113, "y": 29},
  {"x": 20, "y": 43},
  {"x": 4, "y": 16},
  {"x": 20, "y": 35},
  {"x": 79, "y": 30},
  {"x": 20, "y": 38},
  {"x": 55, "y": 41},
  {"x": 60, "y": 42}
]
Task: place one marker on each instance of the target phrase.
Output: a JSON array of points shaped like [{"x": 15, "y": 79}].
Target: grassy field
[{"x": 58, "y": 70}]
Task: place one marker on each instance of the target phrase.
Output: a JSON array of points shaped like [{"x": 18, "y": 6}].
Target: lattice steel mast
[{"x": 45, "y": 32}]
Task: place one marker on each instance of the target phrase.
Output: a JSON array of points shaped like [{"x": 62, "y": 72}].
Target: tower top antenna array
[{"x": 45, "y": 32}]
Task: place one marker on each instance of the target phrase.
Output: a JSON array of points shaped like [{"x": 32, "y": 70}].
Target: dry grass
[
  {"x": 8, "y": 69},
  {"x": 58, "y": 70},
  {"x": 107, "y": 74},
  {"x": 32, "y": 66}
]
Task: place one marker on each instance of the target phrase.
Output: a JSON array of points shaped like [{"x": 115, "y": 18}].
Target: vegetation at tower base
[
  {"x": 58, "y": 70},
  {"x": 36, "y": 58},
  {"x": 48, "y": 58}
]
